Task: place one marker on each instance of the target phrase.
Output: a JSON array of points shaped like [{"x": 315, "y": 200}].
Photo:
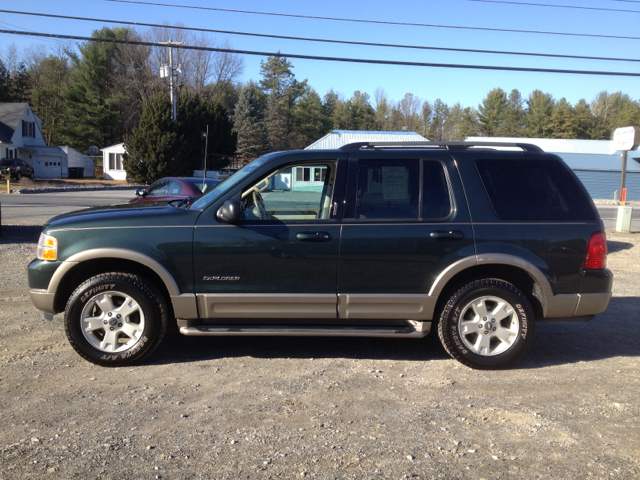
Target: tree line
[{"x": 105, "y": 93}]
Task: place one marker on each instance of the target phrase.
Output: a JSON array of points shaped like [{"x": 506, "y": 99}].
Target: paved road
[{"x": 35, "y": 209}]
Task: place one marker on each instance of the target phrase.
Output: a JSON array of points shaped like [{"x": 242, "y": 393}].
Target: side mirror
[
  {"x": 141, "y": 193},
  {"x": 230, "y": 212}
]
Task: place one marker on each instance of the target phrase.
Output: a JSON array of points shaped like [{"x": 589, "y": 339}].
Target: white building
[
  {"x": 21, "y": 137},
  {"x": 112, "y": 166}
]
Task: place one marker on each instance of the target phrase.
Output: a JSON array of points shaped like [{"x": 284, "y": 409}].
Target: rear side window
[
  {"x": 533, "y": 190},
  {"x": 401, "y": 189},
  {"x": 388, "y": 189}
]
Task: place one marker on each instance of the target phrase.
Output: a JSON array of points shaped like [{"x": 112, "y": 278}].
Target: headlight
[{"x": 47, "y": 248}]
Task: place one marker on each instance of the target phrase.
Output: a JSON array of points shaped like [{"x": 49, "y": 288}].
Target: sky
[{"x": 466, "y": 86}]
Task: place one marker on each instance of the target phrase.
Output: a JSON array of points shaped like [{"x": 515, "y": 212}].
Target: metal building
[
  {"x": 338, "y": 138},
  {"x": 595, "y": 162}
]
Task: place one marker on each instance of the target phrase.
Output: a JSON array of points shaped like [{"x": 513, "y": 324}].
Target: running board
[{"x": 411, "y": 329}]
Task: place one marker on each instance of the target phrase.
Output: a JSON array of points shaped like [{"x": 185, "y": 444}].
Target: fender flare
[
  {"x": 120, "y": 253},
  {"x": 492, "y": 259}
]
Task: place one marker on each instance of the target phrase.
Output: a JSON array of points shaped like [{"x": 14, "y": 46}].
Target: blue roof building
[{"x": 596, "y": 164}]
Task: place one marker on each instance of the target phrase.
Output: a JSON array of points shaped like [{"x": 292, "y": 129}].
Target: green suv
[{"x": 381, "y": 240}]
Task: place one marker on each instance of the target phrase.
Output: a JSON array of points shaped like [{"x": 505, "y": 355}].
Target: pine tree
[
  {"x": 248, "y": 124},
  {"x": 538, "y": 119},
  {"x": 492, "y": 113},
  {"x": 276, "y": 125},
  {"x": 152, "y": 145},
  {"x": 309, "y": 120},
  {"x": 513, "y": 125}
]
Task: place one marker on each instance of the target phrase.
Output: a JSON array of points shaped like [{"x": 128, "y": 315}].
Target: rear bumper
[{"x": 576, "y": 307}]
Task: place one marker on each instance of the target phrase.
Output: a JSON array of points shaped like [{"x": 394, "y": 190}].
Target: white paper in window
[{"x": 395, "y": 183}]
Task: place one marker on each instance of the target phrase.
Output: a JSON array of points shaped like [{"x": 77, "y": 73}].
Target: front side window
[{"x": 291, "y": 193}]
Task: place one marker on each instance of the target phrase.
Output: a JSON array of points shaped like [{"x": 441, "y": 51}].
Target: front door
[{"x": 280, "y": 260}]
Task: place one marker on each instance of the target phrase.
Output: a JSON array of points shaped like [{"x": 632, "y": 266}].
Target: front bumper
[{"x": 42, "y": 300}]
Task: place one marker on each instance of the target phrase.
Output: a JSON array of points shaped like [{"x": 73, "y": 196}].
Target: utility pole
[
  {"x": 206, "y": 146},
  {"x": 173, "y": 75}
]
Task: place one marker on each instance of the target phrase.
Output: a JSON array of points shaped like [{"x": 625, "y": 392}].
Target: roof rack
[{"x": 454, "y": 146}]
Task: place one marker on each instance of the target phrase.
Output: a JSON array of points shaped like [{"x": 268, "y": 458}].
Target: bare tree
[{"x": 206, "y": 72}]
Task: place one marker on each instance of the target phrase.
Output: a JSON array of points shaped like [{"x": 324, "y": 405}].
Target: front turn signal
[{"x": 47, "y": 248}]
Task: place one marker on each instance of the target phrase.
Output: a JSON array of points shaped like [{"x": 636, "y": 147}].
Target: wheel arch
[
  {"x": 84, "y": 265},
  {"x": 521, "y": 273}
]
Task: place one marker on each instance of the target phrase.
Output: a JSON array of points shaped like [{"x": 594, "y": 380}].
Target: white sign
[
  {"x": 626, "y": 138},
  {"x": 395, "y": 183}
]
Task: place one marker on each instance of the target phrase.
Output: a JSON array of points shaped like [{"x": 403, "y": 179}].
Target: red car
[{"x": 173, "y": 188}]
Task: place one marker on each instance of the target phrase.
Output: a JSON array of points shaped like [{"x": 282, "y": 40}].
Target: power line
[
  {"x": 558, "y": 6},
  {"x": 381, "y": 22},
  {"x": 322, "y": 40},
  {"x": 330, "y": 59}
]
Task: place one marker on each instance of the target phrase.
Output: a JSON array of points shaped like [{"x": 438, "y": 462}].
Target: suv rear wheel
[
  {"x": 115, "y": 319},
  {"x": 487, "y": 324}
]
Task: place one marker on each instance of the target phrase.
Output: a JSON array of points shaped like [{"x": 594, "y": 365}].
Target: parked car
[
  {"x": 174, "y": 188},
  {"x": 16, "y": 168},
  {"x": 371, "y": 240}
]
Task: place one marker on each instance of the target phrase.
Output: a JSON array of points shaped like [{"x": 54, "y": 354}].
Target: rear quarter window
[{"x": 541, "y": 189}]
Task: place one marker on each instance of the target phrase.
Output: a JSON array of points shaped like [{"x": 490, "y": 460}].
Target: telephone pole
[{"x": 167, "y": 71}]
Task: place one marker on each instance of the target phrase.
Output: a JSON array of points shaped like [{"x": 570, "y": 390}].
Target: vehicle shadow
[
  {"x": 20, "y": 234},
  {"x": 613, "y": 246},
  {"x": 611, "y": 334}
]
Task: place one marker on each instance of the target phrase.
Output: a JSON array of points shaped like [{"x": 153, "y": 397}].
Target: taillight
[
  {"x": 14, "y": 168},
  {"x": 596, "y": 252}
]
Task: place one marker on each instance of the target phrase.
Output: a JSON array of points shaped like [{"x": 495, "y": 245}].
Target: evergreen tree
[
  {"x": 157, "y": 147},
  {"x": 93, "y": 114},
  {"x": 585, "y": 122},
  {"x": 513, "y": 125},
  {"x": 276, "y": 125},
  {"x": 492, "y": 113},
  {"x": 279, "y": 81},
  {"x": 329, "y": 106},
  {"x": 310, "y": 123},
  {"x": 563, "y": 122},
  {"x": 440, "y": 114},
  {"x": 538, "y": 119},
  {"x": 152, "y": 145},
  {"x": 248, "y": 122},
  {"x": 427, "y": 112}
]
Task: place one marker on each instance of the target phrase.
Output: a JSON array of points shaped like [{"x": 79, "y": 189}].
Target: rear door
[{"x": 406, "y": 221}]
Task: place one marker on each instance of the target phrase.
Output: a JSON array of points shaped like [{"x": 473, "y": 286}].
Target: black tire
[
  {"x": 148, "y": 318},
  {"x": 497, "y": 353}
]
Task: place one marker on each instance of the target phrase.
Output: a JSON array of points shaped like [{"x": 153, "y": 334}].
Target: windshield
[{"x": 228, "y": 183}]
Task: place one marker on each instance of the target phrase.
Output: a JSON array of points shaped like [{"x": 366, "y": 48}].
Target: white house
[
  {"x": 21, "y": 137},
  {"x": 112, "y": 166}
]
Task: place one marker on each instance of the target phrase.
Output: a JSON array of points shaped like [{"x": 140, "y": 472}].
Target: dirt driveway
[{"x": 320, "y": 408}]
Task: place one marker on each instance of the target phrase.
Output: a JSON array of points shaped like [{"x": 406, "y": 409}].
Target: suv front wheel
[
  {"x": 487, "y": 324},
  {"x": 115, "y": 319}
]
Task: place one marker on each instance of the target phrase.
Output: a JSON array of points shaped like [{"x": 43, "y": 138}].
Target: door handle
[
  {"x": 313, "y": 236},
  {"x": 447, "y": 235}
]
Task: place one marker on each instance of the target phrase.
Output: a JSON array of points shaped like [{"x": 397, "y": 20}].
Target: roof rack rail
[{"x": 454, "y": 146}]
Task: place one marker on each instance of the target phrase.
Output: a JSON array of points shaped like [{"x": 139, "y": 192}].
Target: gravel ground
[{"x": 320, "y": 408}]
